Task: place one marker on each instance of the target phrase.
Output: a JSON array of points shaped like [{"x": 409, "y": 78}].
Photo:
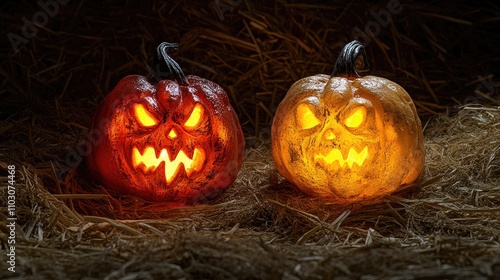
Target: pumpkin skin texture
[
  {"x": 346, "y": 137},
  {"x": 175, "y": 140}
]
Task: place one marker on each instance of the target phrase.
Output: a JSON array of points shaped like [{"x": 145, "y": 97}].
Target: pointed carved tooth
[
  {"x": 353, "y": 157},
  {"x": 150, "y": 161},
  {"x": 136, "y": 157},
  {"x": 197, "y": 163},
  {"x": 147, "y": 158}
]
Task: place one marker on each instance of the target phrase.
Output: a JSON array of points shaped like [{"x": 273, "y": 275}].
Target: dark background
[{"x": 443, "y": 52}]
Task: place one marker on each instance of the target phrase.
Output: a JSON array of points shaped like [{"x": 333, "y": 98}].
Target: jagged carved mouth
[
  {"x": 335, "y": 155},
  {"x": 149, "y": 161}
]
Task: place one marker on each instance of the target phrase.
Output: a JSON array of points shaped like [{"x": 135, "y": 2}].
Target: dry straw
[{"x": 444, "y": 227}]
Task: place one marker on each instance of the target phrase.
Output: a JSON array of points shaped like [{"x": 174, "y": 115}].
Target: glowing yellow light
[
  {"x": 353, "y": 157},
  {"x": 194, "y": 164},
  {"x": 356, "y": 118},
  {"x": 195, "y": 117},
  {"x": 144, "y": 117},
  {"x": 330, "y": 135},
  {"x": 306, "y": 117},
  {"x": 172, "y": 134},
  {"x": 149, "y": 160}
]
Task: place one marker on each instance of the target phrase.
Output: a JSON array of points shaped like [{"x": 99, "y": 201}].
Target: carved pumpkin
[
  {"x": 348, "y": 137},
  {"x": 176, "y": 140}
]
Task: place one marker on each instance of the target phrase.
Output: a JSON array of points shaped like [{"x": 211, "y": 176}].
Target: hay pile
[
  {"x": 445, "y": 227},
  {"x": 261, "y": 228}
]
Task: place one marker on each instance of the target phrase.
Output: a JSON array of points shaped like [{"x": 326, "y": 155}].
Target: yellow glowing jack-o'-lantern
[{"x": 348, "y": 137}]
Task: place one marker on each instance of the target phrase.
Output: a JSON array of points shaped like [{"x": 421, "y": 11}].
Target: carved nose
[
  {"x": 172, "y": 134},
  {"x": 329, "y": 135}
]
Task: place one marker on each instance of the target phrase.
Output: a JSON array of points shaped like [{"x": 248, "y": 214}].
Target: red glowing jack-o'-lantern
[
  {"x": 348, "y": 137},
  {"x": 177, "y": 140}
]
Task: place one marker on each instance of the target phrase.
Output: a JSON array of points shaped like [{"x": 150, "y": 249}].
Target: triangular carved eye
[
  {"x": 144, "y": 116},
  {"x": 305, "y": 117},
  {"x": 356, "y": 118},
  {"x": 195, "y": 117}
]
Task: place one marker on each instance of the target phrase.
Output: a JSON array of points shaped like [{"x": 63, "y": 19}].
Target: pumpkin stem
[
  {"x": 167, "y": 66},
  {"x": 351, "y": 61}
]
